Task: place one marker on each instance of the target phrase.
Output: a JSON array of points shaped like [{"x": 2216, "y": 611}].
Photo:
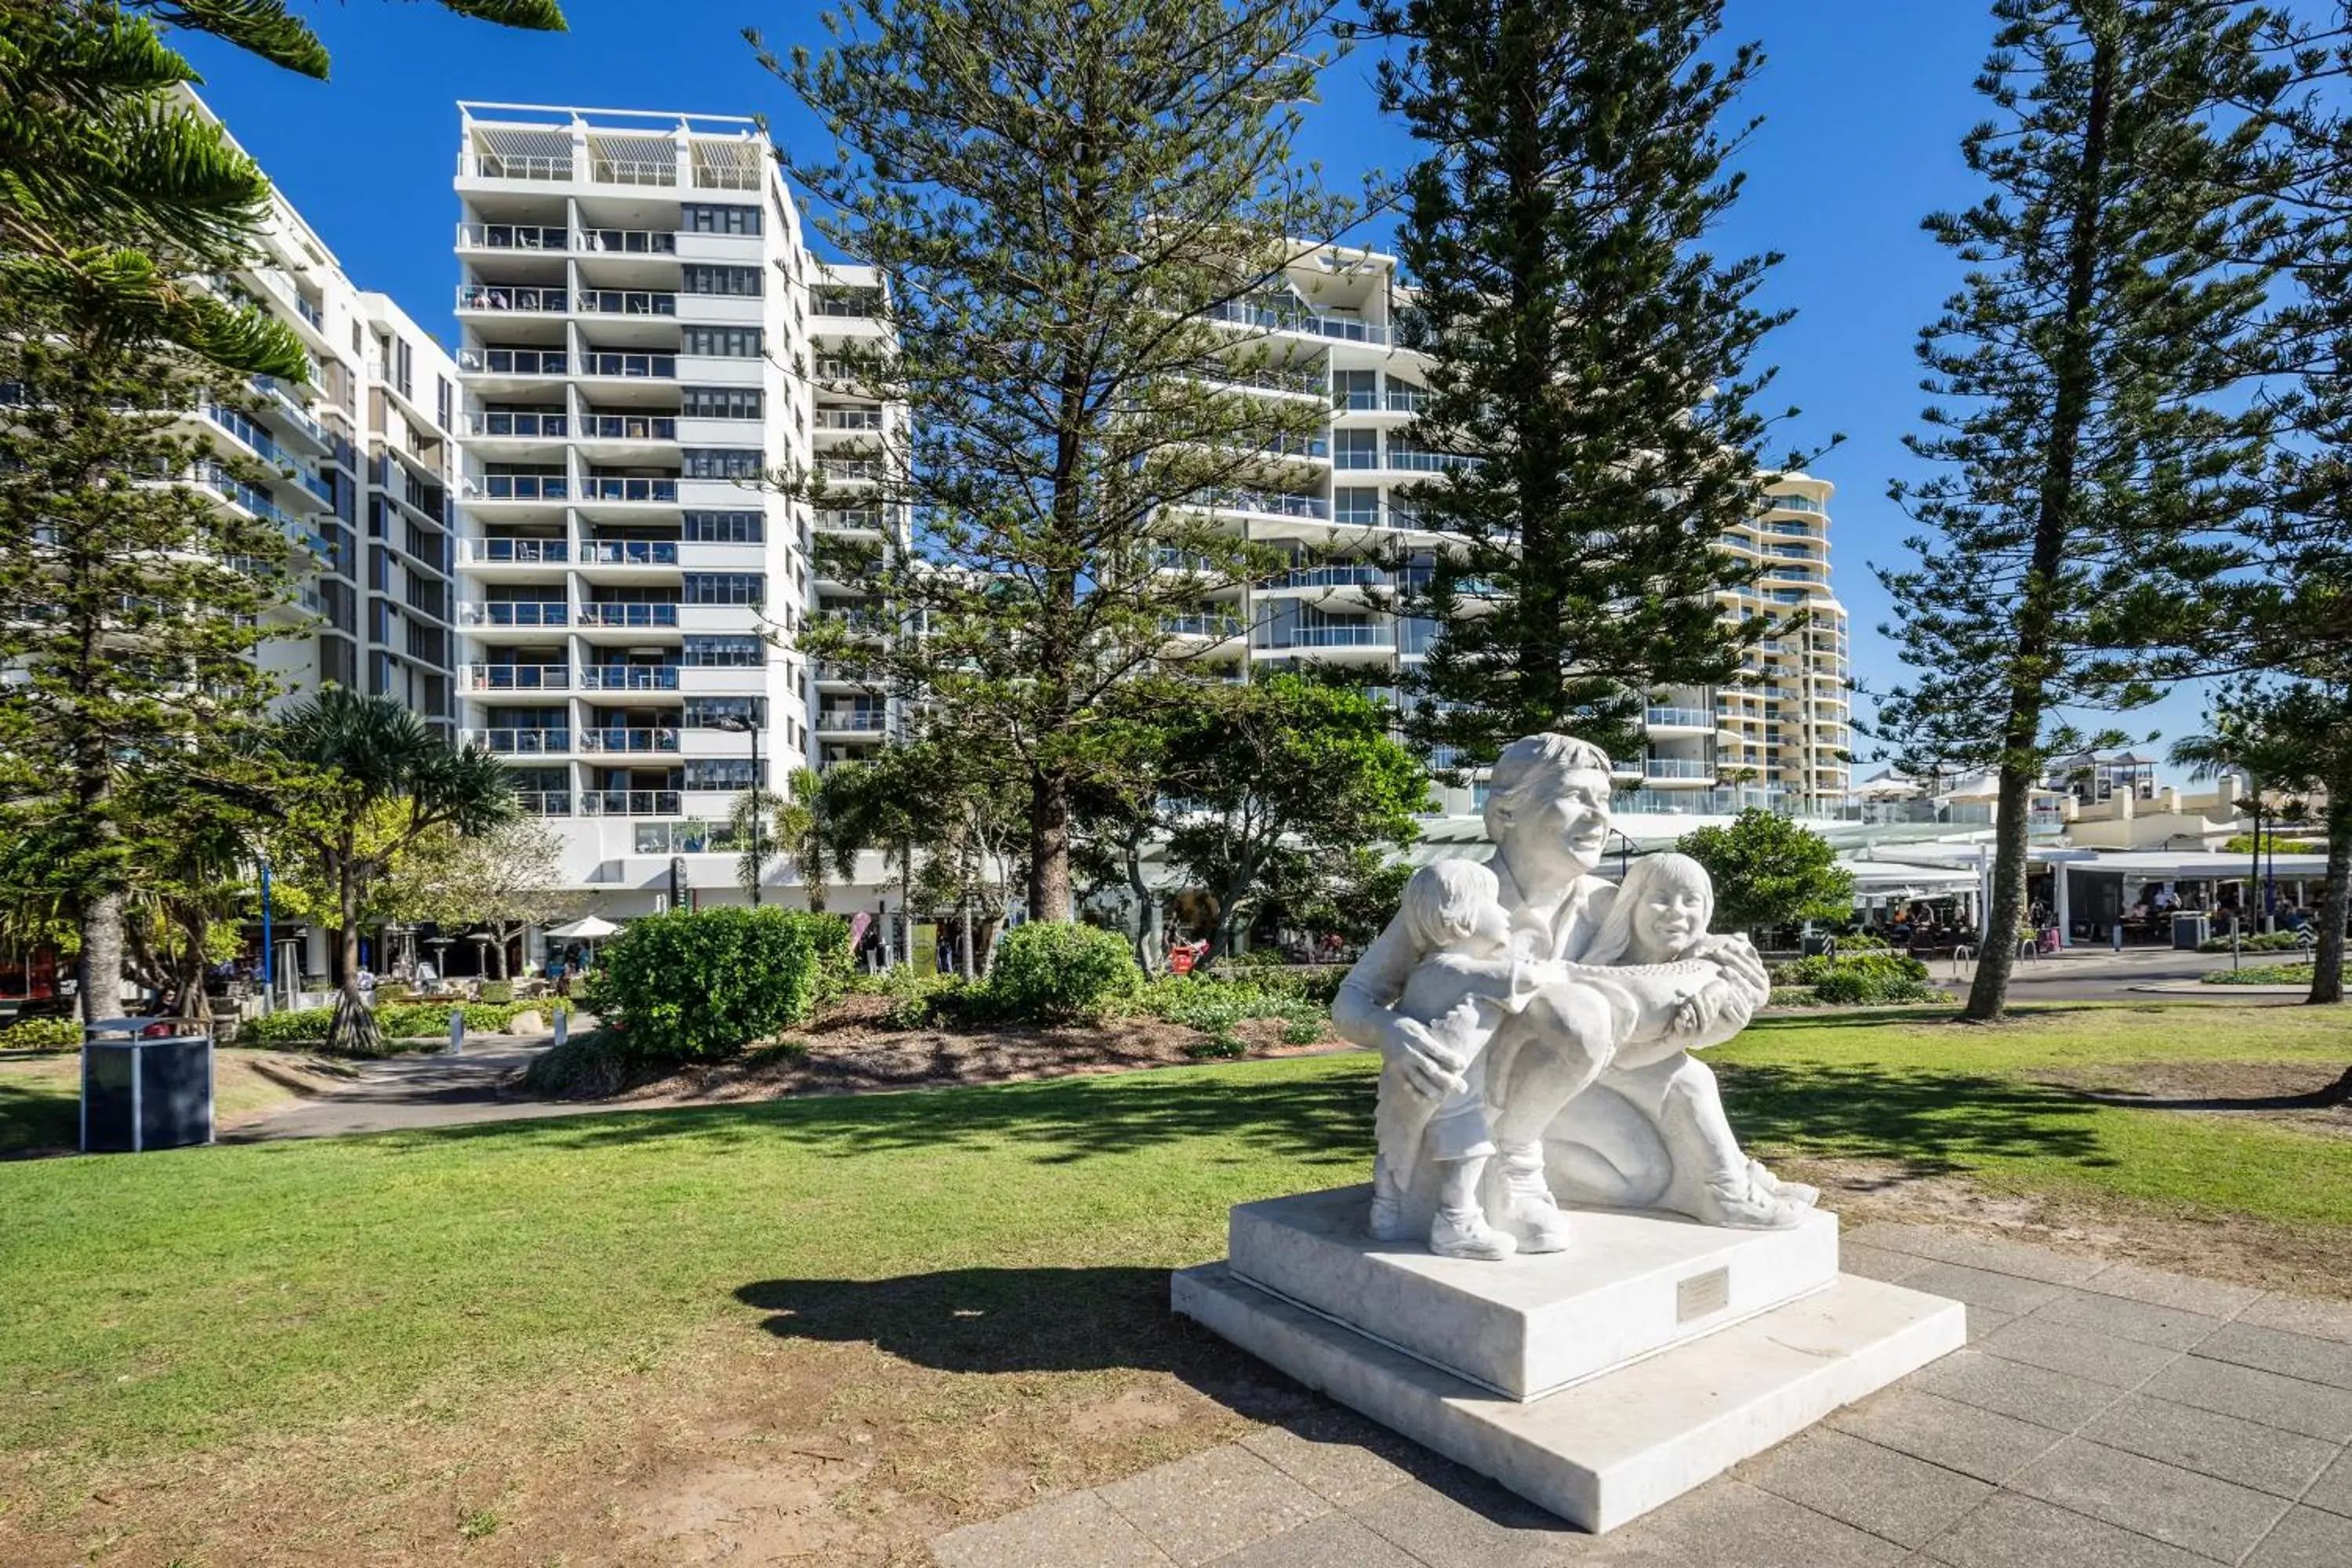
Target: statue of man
[{"x": 1564, "y": 1114}]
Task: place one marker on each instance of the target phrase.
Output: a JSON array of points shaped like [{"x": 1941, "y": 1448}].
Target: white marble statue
[{"x": 1536, "y": 1027}]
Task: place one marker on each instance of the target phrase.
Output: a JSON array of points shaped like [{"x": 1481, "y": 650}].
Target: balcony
[
  {"x": 508, "y": 298},
  {"x": 630, "y": 802},
  {"x": 851, "y": 719},
  {"x": 513, "y": 612},
  {"x": 516, "y": 426},
  {"x": 645, "y": 490},
  {"x": 515, "y": 677},
  {"x": 544, "y": 801},
  {"x": 1677, "y": 719},
  {"x": 633, "y": 172},
  {"x": 628, "y": 427},
  {"x": 283, "y": 406},
  {"x": 1798, "y": 503},
  {"x": 846, "y": 303},
  {"x": 1331, "y": 636},
  {"x": 517, "y": 487},
  {"x": 618, "y": 739},
  {"x": 1422, "y": 460},
  {"x": 629, "y": 241},
  {"x": 1346, "y": 329},
  {"x": 859, "y": 470},
  {"x": 1265, "y": 503},
  {"x": 1678, "y": 769},
  {"x": 515, "y": 552},
  {"x": 652, "y": 367},
  {"x": 626, "y": 302},
  {"x": 522, "y": 742},
  {"x": 1407, "y": 400},
  {"x": 1332, "y": 577},
  {"x": 629, "y": 552},
  {"x": 514, "y": 361},
  {"x": 628, "y": 678},
  {"x": 628, "y": 615},
  {"x": 849, "y": 520},
  {"x": 511, "y": 236},
  {"x": 849, "y": 419},
  {"x": 495, "y": 166},
  {"x": 1202, "y": 625}
]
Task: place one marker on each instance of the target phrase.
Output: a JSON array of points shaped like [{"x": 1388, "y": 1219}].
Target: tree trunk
[
  {"x": 353, "y": 1031},
  {"x": 498, "y": 953},
  {"x": 964, "y": 936},
  {"x": 2335, "y": 903},
  {"x": 1049, "y": 847},
  {"x": 1997, "y": 951},
  {"x": 99, "y": 969},
  {"x": 195, "y": 1004},
  {"x": 1147, "y": 909}
]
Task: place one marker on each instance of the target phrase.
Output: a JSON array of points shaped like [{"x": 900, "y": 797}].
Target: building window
[
  {"x": 445, "y": 397},
  {"x": 403, "y": 367},
  {"x": 720, "y": 463},
  {"x": 704, "y": 713},
  {"x": 725, "y": 653},
  {"x": 720, "y": 342},
  {"x": 726, "y": 527},
  {"x": 726, "y": 588},
  {"x": 718, "y": 773},
  {"x": 700, "y": 278},
  {"x": 719, "y": 403},
  {"x": 702, "y": 218},
  {"x": 1355, "y": 389},
  {"x": 1355, "y": 450},
  {"x": 1357, "y": 505}
]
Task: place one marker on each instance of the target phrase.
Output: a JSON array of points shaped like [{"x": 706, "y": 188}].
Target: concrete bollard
[
  {"x": 456, "y": 1030},
  {"x": 562, "y": 1024}
]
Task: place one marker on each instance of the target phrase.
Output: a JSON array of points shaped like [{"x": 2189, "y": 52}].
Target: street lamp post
[{"x": 746, "y": 724}]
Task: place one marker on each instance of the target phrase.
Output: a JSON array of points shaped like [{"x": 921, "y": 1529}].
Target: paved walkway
[
  {"x": 2105, "y": 1416},
  {"x": 395, "y": 1094}
]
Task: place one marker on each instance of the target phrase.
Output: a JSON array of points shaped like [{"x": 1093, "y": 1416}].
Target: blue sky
[{"x": 1864, "y": 103}]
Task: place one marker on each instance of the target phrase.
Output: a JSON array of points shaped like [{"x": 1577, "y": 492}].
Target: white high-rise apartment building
[
  {"x": 1327, "y": 329},
  {"x": 354, "y": 461},
  {"x": 645, "y": 336}
]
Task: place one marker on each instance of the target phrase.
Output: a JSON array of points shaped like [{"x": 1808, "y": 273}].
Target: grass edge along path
[{"x": 189, "y": 1300}]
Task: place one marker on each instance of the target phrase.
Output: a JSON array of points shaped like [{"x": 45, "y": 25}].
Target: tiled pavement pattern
[{"x": 2105, "y": 1416}]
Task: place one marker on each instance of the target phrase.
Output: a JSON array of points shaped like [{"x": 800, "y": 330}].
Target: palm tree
[
  {"x": 375, "y": 779},
  {"x": 753, "y": 822}
]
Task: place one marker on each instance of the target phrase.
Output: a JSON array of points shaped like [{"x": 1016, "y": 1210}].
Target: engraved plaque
[{"x": 1702, "y": 1294}]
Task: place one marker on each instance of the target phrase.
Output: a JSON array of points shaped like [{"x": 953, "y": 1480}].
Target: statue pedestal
[{"x": 1600, "y": 1381}]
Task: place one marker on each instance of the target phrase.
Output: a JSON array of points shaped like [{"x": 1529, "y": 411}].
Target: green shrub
[
  {"x": 388, "y": 992},
  {"x": 297, "y": 1027},
  {"x": 593, "y": 1066},
  {"x": 705, "y": 983},
  {"x": 1881, "y": 968},
  {"x": 1054, "y": 970},
  {"x": 40, "y": 1035},
  {"x": 497, "y": 992},
  {"x": 2261, "y": 975},
  {"x": 1216, "y": 1047},
  {"x": 2254, "y": 942},
  {"x": 1259, "y": 958},
  {"x": 1861, "y": 941},
  {"x": 919, "y": 1001},
  {"x": 1792, "y": 996},
  {"x": 1853, "y": 984},
  {"x": 1302, "y": 1032}
]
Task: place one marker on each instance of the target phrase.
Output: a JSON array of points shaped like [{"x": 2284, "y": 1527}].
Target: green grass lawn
[{"x": 192, "y": 1299}]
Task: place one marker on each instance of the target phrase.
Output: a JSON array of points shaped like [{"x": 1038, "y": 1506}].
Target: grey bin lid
[{"x": 134, "y": 1032}]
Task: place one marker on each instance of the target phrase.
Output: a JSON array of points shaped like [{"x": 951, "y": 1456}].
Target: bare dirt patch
[
  {"x": 2239, "y": 1250},
  {"x": 851, "y": 1049},
  {"x": 2298, "y": 1093}
]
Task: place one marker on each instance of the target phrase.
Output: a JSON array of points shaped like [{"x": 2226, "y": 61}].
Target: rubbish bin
[
  {"x": 145, "y": 1084},
  {"x": 1816, "y": 945},
  {"x": 2190, "y": 931}
]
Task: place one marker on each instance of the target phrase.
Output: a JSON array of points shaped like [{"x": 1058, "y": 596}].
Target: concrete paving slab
[
  {"x": 1729, "y": 1524},
  {"x": 2234, "y": 1449},
  {"x": 1881, "y": 1490},
  {"x": 1467, "y": 1521},
  {"x": 2310, "y": 1408},
  {"x": 2276, "y": 1350},
  {"x": 2057, "y": 1400},
  {"x": 1215, "y": 1503},
  {"x": 1878, "y": 1262},
  {"x": 2302, "y": 1315},
  {"x": 1079, "y": 1531},
  {"x": 1945, "y": 1432},
  {"x": 2198, "y": 1513},
  {"x": 2161, "y": 1288},
  {"x": 2014, "y": 1532},
  {"x": 2305, "y": 1538},
  {"x": 2333, "y": 1491},
  {"x": 1336, "y": 1454},
  {"x": 1335, "y": 1540},
  {"x": 2102, "y": 1358},
  {"x": 1983, "y": 1287},
  {"x": 2119, "y": 1316}
]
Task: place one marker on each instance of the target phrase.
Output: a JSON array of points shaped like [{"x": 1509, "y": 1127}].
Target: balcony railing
[
  {"x": 1678, "y": 718},
  {"x": 629, "y": 552},
  {"x": 1330, "y": 577},
  {"x": 1270, "y": 503},
  {"x": 512, "y": 236},
  {"x": 1419, "y": 460},
  {"x": 513, "y": 612},
  {"x": 621, "y": 739},
  {"x": 1331, "y": 636},
  {"x": 517, "y": 487},
  {"x": 603, "y": 489},
  {"x": 844, "y": 302},
  {"x": 626, "y": 302},
  {"x": 858, "y": 468},
  {"x": 1296, "y": 446},
  {"x": 517, "y": 676},
  {"x": 516, "y": 552},
  {"x": 544, "y": 801},
  {"x": 1406, "y": 399},
  {"x": 849, "y": 419},
  {"x": 632, "y": 171},
  {"x": 630, "y": 241},
  {"x": 523, "y": 743},
  {"x": 284, "y": 405},
  {"x": 630, "y": 802},
  {"x": 851, "y": 717},
  {"x": 725, "y": 178},
  {"x": 628, "y": 615},
  {"x": 507, "y": 297},
  {"x": 1202, "y": 625},
  {"x": 1346, "y": 328},
  {"x": 496, "y": 167},
  {"x": 628, "y": 678},
  {"x": 514, "y": 361},
  {"x": 628, "y": 427},
  {"x": 658, "y": 367},
  {"x": 1308, "y": 382},
  {"x": 525, "y": 426},
  {"x": 1797, "y": 503},
  {"x": 1675, "y": 768},
  {"x": 861, "y": 519}
]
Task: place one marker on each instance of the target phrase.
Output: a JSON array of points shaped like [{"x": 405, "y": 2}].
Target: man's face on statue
[{"x": 1571, "y": 820}]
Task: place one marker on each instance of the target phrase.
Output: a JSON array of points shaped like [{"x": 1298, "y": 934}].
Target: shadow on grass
[
  {"x": 1324, "y": 1119},
  {"x": 38, "y": 1118},
  {"x": 1929, "y": 1124}
]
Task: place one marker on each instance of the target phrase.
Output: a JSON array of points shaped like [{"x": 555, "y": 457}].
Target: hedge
[
  {"x": 41, "y": 1035},
  {"x": 705, "y": 983},
  {"x": 1053, "y": 971},
  {"x": 408, "y": 1020}
]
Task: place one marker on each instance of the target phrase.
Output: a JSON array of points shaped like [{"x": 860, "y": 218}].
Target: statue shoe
[
  {"x": 1741, "y": 1203},
  {"x": 1388, "y": 1221},
  {"x": 1795, "y": 1192},
  {"x": 1464, "y": 1233},
  {"x": 1529, "y": 1211}
]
